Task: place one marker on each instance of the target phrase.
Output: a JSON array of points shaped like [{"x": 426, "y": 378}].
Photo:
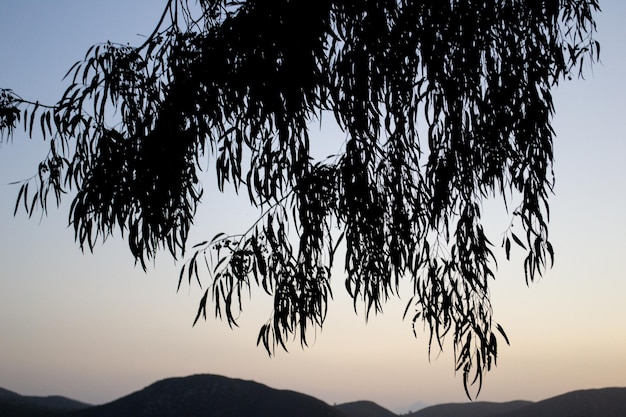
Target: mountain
[
  {"x": 211, "y": 395},
  {"x": 218, "y": 396},
  {"x": 605, "y": 402},
  {"x": 5, "y": 393},
  {"x": 474, "y": 409},
  {"x": 16, "y": 405},
  {"x": 364, "y": 409}
]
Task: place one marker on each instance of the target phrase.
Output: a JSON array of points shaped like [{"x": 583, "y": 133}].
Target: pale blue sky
[{"x": 93, "y": 327}]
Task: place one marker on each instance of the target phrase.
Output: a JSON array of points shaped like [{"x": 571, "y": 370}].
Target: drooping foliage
[{"x": 444, "y": 103}]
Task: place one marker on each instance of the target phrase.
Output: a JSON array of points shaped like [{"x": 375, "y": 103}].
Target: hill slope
[
  {"x": 474, "y": 409},
  {"x": 217, "y": 396},
  {"x": 605, "y": 402},
  {"x": 364, "y": 409},
  {"x": 16, "y": 405}
]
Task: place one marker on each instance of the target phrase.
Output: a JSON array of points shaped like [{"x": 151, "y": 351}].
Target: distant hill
[
  {"x": 364, "y": 409},
  {"x": 16, "y": 405},
  {"x": 473, "y": 409},
  {"x": 211, "y": 395},
  {"x": 605, "y": 402}
]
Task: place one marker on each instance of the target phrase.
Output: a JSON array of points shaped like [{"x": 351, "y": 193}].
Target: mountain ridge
[
  {"x": 230, "y": 397},
  {"x": 225, "y": 397},
  {"x": 13, "y": 404},
  {"x": 470, "y": 409},
  {"x": 364, "y": 408},
  {"x": 601, "y": 402}
]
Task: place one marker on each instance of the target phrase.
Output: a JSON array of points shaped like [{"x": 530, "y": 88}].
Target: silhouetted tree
[{"x": 443, "y": 104}]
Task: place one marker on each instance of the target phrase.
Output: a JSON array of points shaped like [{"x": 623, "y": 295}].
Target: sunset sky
[{"x": 95, "y": 327}]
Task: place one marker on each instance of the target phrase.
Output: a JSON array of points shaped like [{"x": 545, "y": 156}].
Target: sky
[{"x": 95, "y": 327}]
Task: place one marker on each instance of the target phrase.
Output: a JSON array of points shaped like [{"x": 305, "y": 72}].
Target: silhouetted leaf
[
  {"x": 517, "y": 240},
  {"x": 202, "y": 307}
]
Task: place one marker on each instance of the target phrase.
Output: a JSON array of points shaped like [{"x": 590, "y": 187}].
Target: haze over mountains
[{"x": 218, "y": 396}]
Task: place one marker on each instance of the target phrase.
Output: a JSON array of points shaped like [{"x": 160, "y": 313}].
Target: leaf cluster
[{"x": 444, "y": 104}]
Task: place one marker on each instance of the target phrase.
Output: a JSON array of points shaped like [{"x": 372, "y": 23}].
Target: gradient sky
[{"x": 95, "y": 327}]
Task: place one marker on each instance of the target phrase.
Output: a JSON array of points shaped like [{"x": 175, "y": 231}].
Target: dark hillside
[
  {"x": 211, "y": 395},
  {"x": 16, "y": 405},
  {"x": 364, "y": 409},
  {"x": 5, "y": 393},
  {"x": 606, "y": 402},
  {"x": 475, "y": 409}
]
